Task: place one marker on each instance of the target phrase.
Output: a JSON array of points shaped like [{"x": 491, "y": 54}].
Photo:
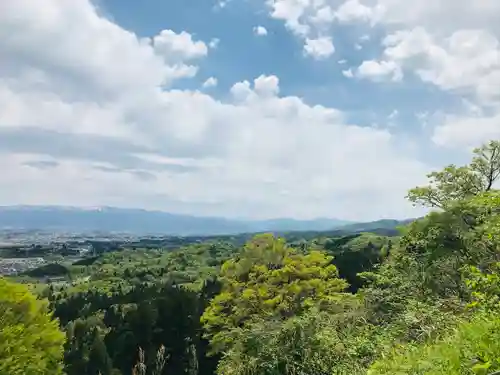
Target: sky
[{"x": 243, "y": 108}]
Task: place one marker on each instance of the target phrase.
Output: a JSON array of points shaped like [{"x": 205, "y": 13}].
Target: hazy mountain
[{"x": 108, "y": 219}]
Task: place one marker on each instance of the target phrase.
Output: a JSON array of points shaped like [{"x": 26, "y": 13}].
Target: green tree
[
  {"x": 30, "y": 340},
  {"x": 99, "y": 360},
  {"x": 471, "y": 348},
  {"x": 355, "y": 254},
  {"x": 417, "y": 297},
  {"x": 270, "y": 281},
  {"x": 457, "y": 183},
  {"x": 315, "y": 343}
]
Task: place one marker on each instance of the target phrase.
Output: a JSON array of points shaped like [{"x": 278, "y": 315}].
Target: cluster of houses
[
  {"x": 13, "y": 266},
  {"x": 16, "y": 259}
]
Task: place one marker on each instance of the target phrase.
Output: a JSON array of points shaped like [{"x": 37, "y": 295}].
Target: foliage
[
  {"x": 270, "y": 280},
  {"x": 485, "y": 287},
  {"x": 472, "y": 348},
  {"x": 315, "y": 343},
  {"x": 422, "y": 283},
  {"x": 30, "y": 340},
  {"x": 458, "y": 183},
  {"x": 52, "y": 269},
  {"x": 357, "y": 253}
]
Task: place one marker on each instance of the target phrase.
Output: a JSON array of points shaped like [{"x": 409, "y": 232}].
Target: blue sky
[
  {"x": 242, "y": 55},
  {"x": 336, "y": 109}
]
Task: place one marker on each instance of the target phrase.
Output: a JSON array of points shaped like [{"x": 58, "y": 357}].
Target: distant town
[
  {"x": 23, "y": 250},
  {"x": 14, "y": 266}
]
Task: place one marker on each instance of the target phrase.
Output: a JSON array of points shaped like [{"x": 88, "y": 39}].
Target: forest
[{"x": 424, "y": 301}]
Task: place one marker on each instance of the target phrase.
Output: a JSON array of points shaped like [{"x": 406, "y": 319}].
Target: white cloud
[
  {"x": 323, "y": 15},
  {"x": 291, "y": 12},
  {"x": 452, "y": 44},
  {"x": 320, "y": 48},
  {"x": 180, "y": 47},
  {"x": 353, "y": 10},
  {"x": 380, "y": 70},
  {"x": 266, "y": 85},
  {"x": 210, "y": 82},
  {"x": 467, "y": 131},
  {"x": 440, "y": 15},
  {"x": 301, "y": 16},
  {"x": 467, "y": 60},
  {"x": 348, "y": 73},
  {"x": 260, "y": 30},
  {"x": 465, "y": 63},
  {"x": 89, "y": 97}
]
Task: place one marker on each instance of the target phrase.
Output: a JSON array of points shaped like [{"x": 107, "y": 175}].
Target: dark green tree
[{"x": 99, "y": 360}]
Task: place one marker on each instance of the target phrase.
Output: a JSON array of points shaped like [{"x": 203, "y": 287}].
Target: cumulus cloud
[
  {"x": 467, "y": 60},
  {"x": 90, "y": 114},
  {"x": 301, "y": 17},
  {"x": 353, "y": 10},
  {"x": 380, "y": 70},
  {"x": 320, "y": 48},
  {"x": 260, "y": 30},
  {"x": 452, "y": 45},
  {"x": 180, "y": 47},
  {"x": 465, "y": 63}
]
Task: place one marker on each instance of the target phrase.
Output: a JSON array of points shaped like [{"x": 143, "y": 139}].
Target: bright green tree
[
  {"x": 30, "y": 340},
  {"x": 270, "y": 281},
  {"x": 472, "y": 347},
  {"x": 418, "y": 295}
]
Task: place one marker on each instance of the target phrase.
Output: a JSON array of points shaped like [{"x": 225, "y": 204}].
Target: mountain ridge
[{"x": 135, "y": 220}]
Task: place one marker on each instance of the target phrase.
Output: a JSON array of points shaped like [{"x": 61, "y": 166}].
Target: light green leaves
[
  {"x": 457, "y": 183},
  {"x": 30, "y": 340},
  {"x": 269, "y": 281}
]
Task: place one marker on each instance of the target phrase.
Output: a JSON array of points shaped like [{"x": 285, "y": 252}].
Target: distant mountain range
[
  {"x": 141, "y": 222},
  {"x": 136, "y": 221}
]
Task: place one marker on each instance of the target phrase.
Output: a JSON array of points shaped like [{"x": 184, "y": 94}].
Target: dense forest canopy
[{"x": 424, "y": 302}]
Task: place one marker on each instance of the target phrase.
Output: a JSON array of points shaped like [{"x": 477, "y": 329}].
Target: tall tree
[
  {"x": 99, "y": 360},
  {"x": 270, "y": 281},
  {"x": 457, "y": 183}
]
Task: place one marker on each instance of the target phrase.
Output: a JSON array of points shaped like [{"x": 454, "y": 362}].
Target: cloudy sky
[{"x": 242, "y": 108}]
